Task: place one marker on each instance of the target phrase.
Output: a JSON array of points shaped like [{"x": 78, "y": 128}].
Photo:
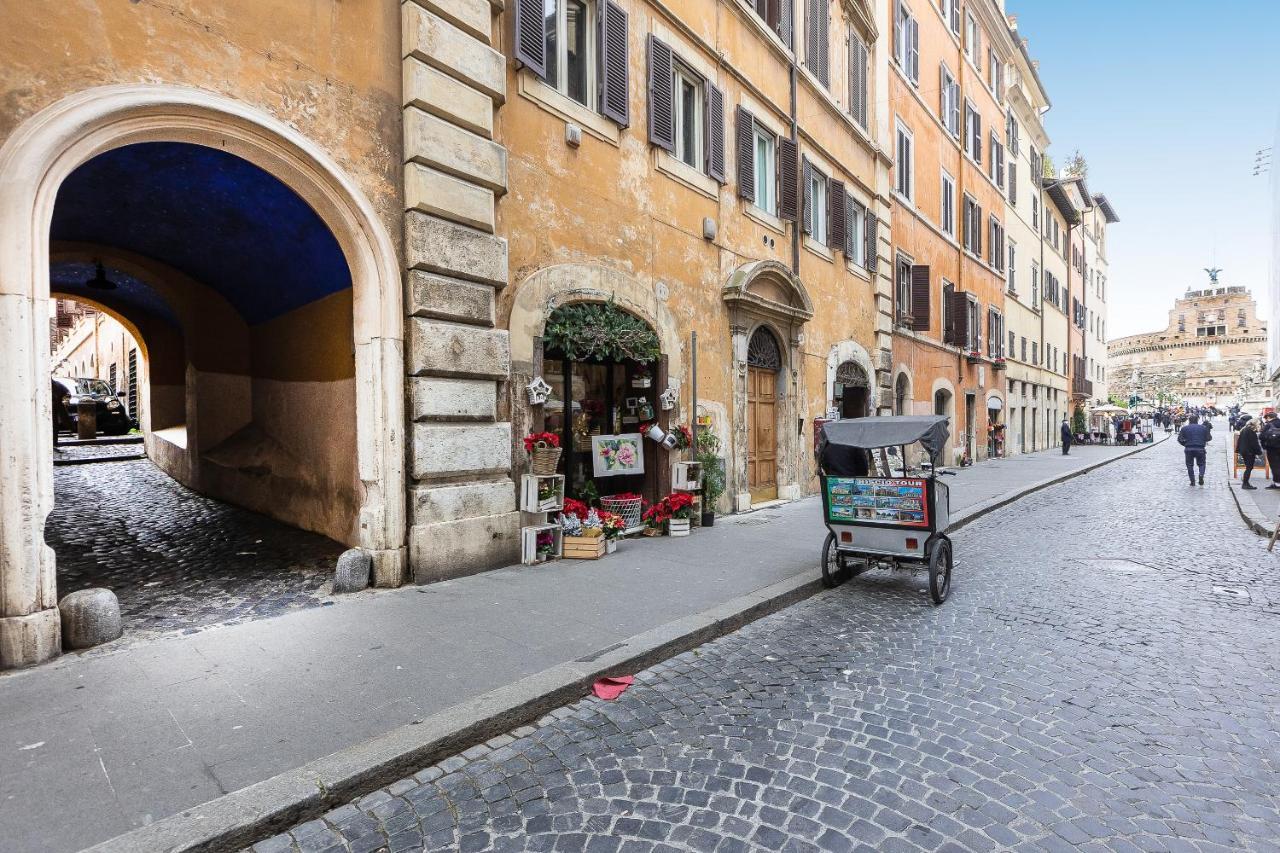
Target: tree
[
  {"x": 1078, "y": 425},
  {"x": 1046, "y": 163},
  {"x": 1077, "y": 166}
]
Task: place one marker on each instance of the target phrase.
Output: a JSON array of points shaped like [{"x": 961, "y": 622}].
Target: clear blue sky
[{"x": 1168, "y": 102}]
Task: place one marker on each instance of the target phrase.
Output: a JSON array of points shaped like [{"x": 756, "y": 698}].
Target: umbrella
[{"x": 1109, "y": 409}]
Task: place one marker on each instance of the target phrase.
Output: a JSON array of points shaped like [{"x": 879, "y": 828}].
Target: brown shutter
[
  {"x": 806, "y": 173},
  {"x": 786, "y": 22},
  {"x": 788, "y": 178},
  {"x": 529, "y": 39},
  {"x": 873, "y": 243},
  {"x": 744, "y": 152},
  {"x": 920, "y": 298},
  {"x": 615, "y": 71},
  {"x": 662, "y": 120},
  {"x": 715, "y": 133},
  {"x": 836, "y": 237},
  {"x": 958, "y": 318}
]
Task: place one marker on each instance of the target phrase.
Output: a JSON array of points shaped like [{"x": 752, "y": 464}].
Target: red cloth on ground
[{"x": 611, "y": 687}]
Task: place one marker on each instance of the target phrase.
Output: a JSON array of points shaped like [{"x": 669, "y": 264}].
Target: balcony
[{"x": 1081, "y": 387}]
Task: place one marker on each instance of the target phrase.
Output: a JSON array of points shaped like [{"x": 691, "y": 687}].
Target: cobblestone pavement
[
  {"x": 178, "y": 561},
  {"x": 1104, "y": 677},
  {"x": 70, "y": 454}
]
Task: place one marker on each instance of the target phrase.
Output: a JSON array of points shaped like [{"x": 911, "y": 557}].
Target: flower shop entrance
[{"x": 607, "y": 376}]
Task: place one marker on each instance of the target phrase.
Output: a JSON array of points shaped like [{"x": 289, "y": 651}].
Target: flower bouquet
[
  {"x": 583, "y": 536},
  {"x": 673, "y": 511},
  {"x": 544, "y": 452}
]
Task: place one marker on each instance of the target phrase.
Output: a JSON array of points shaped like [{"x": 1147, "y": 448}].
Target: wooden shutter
[
  {"x": 1013, "y": 183},
  {"x": 806, "y": 172},
  {"x": 958, "y": 318},
  {"x": 955, "y": 16},
  {"x": 915, "y": 50},
  {"x": 615, "y": 71},
  {"x": 530, "y": 40},
  {"x": 920, "y": 298},
  {"x": 786, "y": 22},
  {"x": 858, "y": 81},
  {"x": 662, "y": 118},
  {"x": 715, "y": 132},
  {"x": 836, "y": 238},
  {"x": 848, "y": 220},
  {"x": 788, "y": 178},
  {"x": 818, "y": 40},
  {"x": 873, "y": 242},
  {"x": 745, "y": 153}
]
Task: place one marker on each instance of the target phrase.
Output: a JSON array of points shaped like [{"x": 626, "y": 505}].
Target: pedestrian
[
  {"x": 1270, "y": 440},
  {"x": 1248, "y": 447},
  {"x": 1067, "y": 437},
  {"x": 1193, "y": 437}
]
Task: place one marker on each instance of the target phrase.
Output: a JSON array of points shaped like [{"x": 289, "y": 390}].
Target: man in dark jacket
[
  {"x": 1248, "y": 447},
  {"x": 1193, "y": 437},
  {"x": 1067, "y": 437},
  {"x": 1270, "y": 440}
]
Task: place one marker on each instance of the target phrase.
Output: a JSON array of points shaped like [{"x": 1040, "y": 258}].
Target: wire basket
[{"x": 628, "y": 508}]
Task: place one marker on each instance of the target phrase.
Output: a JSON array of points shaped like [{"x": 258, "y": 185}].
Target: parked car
[{"x": 113, "y": 417}]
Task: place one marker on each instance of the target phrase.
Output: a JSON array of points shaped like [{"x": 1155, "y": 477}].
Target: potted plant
[
  {"x": 713, "y": 479},
  {"x": 582, "y": 538},
  {"x": 613, "y": 527},
  {"x": 973, "y": 356},
  {"x": 655, "y": 518},
  {"x": 684, "y": 437},
  {"x": 544, "y": 452},
  {"x": 641, "y": 377},
  {"x": 546, "y": 544},
  {"x": 999, "y": 363},
  {"x": 680, "y": 512}
]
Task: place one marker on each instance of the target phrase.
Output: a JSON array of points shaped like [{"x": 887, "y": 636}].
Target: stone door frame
[{"x": 34, "y": 162}]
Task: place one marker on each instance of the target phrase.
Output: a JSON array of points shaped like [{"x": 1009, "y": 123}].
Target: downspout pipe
[{"x": 793, "y": 74}]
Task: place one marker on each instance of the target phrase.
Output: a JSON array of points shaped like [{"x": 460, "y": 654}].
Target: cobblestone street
[
  {"x": 177, "y": 560},
  {"x": 1104, "y": 677}
]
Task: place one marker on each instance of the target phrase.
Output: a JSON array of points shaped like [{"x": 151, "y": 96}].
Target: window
[
  {"x": 1013, "y": 259},
  {"x": 997, "y": 160},
  {"x": 972, "y": 39},
  {"x": 951, "y": 12},
  {"x": 906, "y": 42},
  {"x": 904, "y": 167},
  {"x": 688, "y": 116},
  {"x": 902, "y": 290},
  {"x": 949, "y": 93},
  {"x": 995, "y": 333},
  {"x": 1035, "y": 210},
  {"x": 816, "y": 204},
  {"x": 1011, "y": 133},
  {"x": 995, "y": 75},
  {"x": 570, "y": 29},
  {"x": 971, "y": 223},
  {"x": 1035, "y": 285},
  {"x": 995, "y": 244},
  {"x": 1012, "y": 349},
  {"x": 973, "y": 131},
  {"x": 770, "y": 11},
  {"x": 856, "y": 241},
  {"x": 1035, "y": 355},
  {"x": 858, "y": 80},
  {"x": 974, "y": 344},
  {"x": 766, "y": 168},
  {"x": 817, "y": 45},
  {"x": 1013, "y": 184},
  {"x": 948, "y": 219},
  {"x": 1022, "y": 354},
  {"x": 948, "y": 321}
]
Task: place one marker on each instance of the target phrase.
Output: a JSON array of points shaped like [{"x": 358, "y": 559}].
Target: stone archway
[
  {"x": 849, "y": 365},
  {"x": 34, "y": 162},
  {"x": 942, "y": 400},
  {"x": 902, "y": 401},
  {"x": 767, "y": 293}
]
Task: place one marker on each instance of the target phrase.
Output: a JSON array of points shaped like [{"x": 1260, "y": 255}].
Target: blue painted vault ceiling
[{"x": 214, "y": 216}]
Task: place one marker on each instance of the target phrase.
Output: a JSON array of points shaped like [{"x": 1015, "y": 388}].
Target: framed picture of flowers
[{"x": 617, "y": 455}]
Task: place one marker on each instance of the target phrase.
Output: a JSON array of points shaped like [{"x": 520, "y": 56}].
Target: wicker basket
[
  {"x": 543, "y": 460},
  {"x": 628, "y": 508}
]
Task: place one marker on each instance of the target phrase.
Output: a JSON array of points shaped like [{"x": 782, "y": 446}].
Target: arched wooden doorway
[{"x": 764, "y": 361}]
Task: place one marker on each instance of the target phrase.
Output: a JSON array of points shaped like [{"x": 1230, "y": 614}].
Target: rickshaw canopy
[{"x": 842, "y": 442}]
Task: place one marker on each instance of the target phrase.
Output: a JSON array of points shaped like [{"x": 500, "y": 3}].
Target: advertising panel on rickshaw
[{"x": 884, "y": 501}]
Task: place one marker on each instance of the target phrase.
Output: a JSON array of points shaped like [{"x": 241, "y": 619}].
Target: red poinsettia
[
  {"x": 575, "y": 508},
  {"x": 540, "y": 440}
]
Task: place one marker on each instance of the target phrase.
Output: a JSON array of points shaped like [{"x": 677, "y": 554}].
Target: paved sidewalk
[
  {"x": 120, "y": 737},
  {"x": 1260, "y": 507}
]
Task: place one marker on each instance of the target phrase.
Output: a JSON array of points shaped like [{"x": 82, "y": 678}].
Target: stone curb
[
  {"x": 241, "y": 818},
  {"x": 92, "y": 460},
  {"x": 1258, "y": 524}
]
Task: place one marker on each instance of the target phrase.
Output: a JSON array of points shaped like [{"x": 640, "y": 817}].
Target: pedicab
[{"x": 879, "y": 520}]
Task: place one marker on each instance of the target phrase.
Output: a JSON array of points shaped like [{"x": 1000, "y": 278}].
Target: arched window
[
  {"x": 942, "y": 402},
  {"x": 763, "y": 350},
  {"x": 900, "y": 391}
]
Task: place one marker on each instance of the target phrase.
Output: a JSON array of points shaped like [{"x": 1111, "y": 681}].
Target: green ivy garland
[{"x": 600, "y": 331}]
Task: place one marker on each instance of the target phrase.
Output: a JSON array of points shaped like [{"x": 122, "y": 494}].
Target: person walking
[
  {"x": 1248, "y": 447},
  {"x": 1067, "y": 437},
  {"x": 1193, "y": 437},
  {"x": 1270, "y": 440}
]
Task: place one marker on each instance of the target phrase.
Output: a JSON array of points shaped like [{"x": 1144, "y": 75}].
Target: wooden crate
[
  {"x": 529, "y": 543},
  {"x": 686, "y": 476},
  {"x": 582, "y": 547},
  {"x": 532, "y": 484}
]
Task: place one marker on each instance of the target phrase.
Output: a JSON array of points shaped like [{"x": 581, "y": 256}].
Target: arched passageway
[{"x": 255, "y": 269}]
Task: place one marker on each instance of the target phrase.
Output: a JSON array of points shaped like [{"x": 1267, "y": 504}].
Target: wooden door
[{"x": 762, "y": 444}]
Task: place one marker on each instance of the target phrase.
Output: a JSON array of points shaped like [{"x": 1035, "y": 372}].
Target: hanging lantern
[{"x": 100, "y": 280}]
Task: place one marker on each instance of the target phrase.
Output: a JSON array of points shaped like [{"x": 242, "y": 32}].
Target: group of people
[{"x": 1256, "y": 440}]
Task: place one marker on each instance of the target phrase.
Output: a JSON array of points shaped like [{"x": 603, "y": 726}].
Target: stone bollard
[
  {"x": 87, "y": 419},
  {"x": 90, "y": 617},
  {"x": 352, "y": 574}
]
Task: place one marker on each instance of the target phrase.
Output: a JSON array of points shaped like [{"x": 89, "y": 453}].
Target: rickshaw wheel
[
  {"x": 833, "y": 573},
  {"x": 939, "y": 569}
]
